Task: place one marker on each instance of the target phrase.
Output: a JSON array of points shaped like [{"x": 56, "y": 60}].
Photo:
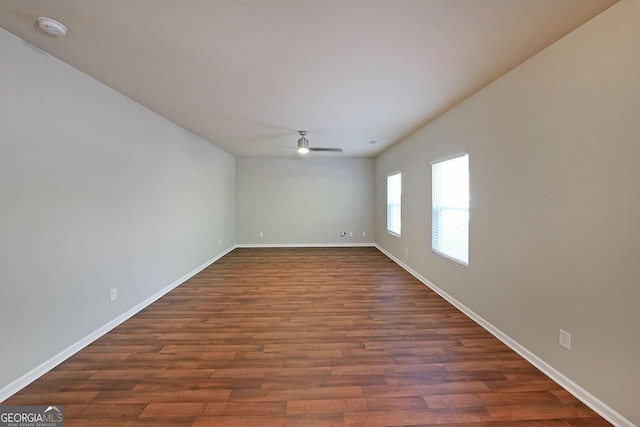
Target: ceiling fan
[{"x": 303, "y": 145}]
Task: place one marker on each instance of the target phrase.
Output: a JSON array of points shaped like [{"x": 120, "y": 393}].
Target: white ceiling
[{"x": 247, "y": 74}]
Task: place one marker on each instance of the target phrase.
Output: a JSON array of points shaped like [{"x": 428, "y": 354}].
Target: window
[
  {"x": 450, "y": 208},
  {"x": 394, "y": 192}
]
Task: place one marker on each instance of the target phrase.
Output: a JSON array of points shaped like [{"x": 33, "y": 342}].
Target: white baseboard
[
  {"x": 26, "y": 379},
  {"x": 304, "y": 245},
  {"x": 580, "y": 393}
]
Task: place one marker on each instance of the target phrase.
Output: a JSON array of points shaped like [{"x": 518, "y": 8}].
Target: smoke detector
[{"x": 52, "y": 26}]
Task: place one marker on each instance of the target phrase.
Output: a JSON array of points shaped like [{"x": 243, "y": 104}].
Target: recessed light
[{"x": 52, "y": 27}]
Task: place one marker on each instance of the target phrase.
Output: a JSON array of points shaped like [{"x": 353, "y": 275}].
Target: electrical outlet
[
  {"x": 114, "y": 293},
  {"x": 351, "y": 234},
  {"x": 261, "y": 234},
  {"x": 406, "y": 251},
  {"x": 364, "y": 233},
  {"x": 565, "y": 339},
  {"x": 219, "y": 242}
]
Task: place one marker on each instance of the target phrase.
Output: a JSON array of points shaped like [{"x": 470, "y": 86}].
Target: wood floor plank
[
  {"x": 303, "y": 337},
  {"x": 330, "y": 420}
]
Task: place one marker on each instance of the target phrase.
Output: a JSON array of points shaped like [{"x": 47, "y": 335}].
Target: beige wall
[
  {"x": 305, "y": 200},
  {"x": 96, "y": 192},
  {"x": 555, "y": 205}
]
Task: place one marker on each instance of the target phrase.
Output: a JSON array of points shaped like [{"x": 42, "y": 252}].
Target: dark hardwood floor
[{"x": 302, "y": 337}]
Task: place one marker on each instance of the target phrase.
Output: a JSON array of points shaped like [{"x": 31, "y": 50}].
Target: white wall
[
  {"x": 305, "y": 200},
  {"x": 555, "y": 205},
  {"x": 96, "y": 192}
]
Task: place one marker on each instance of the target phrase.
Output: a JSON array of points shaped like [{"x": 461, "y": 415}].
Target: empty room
[{"x": 320, "y": 213}]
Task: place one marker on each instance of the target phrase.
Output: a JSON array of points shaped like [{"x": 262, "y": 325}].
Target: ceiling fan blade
[{"x": 335, "y": 150}]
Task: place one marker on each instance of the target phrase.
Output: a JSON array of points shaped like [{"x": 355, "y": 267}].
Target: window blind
[
  {"x": 394, "y": 197},
  {"x": 450, "y": 208}
]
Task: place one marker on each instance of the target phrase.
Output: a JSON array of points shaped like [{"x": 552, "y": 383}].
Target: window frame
[
  {"x": 391, "y": 231},
  {"x": 437, "y": 210}
]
